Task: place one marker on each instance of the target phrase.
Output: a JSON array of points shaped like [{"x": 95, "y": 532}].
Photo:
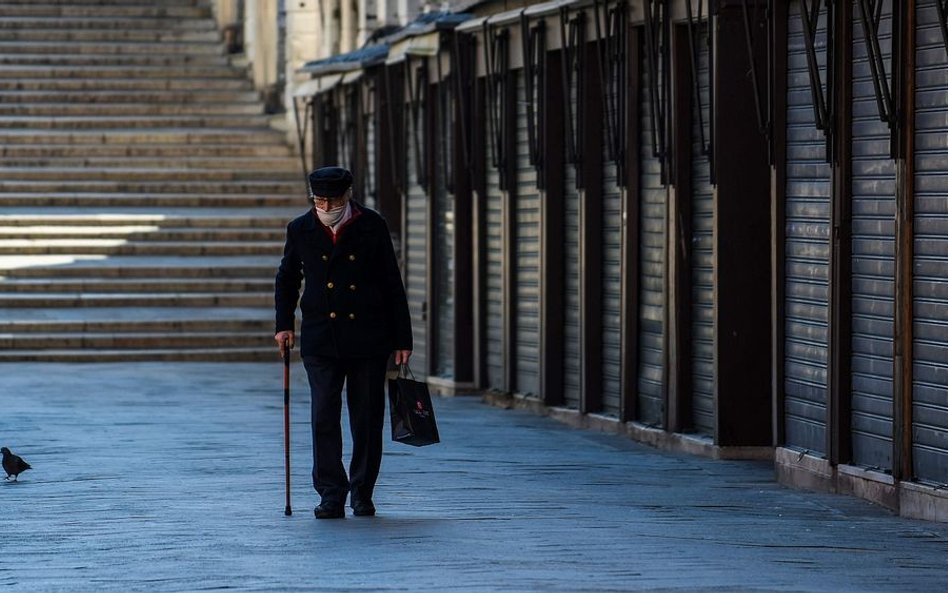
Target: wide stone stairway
[{"x": 143, "y": 195}]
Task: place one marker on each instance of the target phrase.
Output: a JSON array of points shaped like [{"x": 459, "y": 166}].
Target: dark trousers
[{"x": 365, "y": 397}]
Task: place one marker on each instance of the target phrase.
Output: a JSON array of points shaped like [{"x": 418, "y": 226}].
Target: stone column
[{"x": 306, "y": 40}]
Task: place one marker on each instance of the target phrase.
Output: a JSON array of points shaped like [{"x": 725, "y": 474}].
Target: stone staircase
[{"x": 143, "y": 195}]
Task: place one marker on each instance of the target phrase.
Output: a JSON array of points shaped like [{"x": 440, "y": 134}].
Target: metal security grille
[
  {"x": 873, "y": 258},
  {"x": 652, "y": 249},
  {"x": 527, "y": 256},
  {"x": 443, "y": 256},
  {"x": 572, "y": 351},
  {"x": 416, "y": 238},
  {"x": 807, "y": 249},
  {"x": 370, "y": 104},
  {"x": 493, "y": 319},
  {"x": 702, "y": 248},
  {"x": 930, "y": 406},
  {"x": 611, "y": 281}
]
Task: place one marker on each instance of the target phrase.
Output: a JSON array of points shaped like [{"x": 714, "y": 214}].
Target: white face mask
[{"x": 331, "y": 217}]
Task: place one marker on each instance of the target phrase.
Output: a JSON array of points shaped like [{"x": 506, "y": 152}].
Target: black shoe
[
  {"x": 330, "y": 510},
  {"x": 363, "y": 509}
]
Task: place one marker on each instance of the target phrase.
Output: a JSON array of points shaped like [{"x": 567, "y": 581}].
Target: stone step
[
  {"x": 138, "y": 233},
  {"x": 125, "y": 84},
  {"x": 136, "y": 98},
  {"x": 134, "y": 285},
  {"x": 138, "y": 341},
  {"x": 216, "y": 151},
  {"x": 90, "y": 222},
  {"x": 200, "y": 3},
  {"x": 150, "y": 200},
  {"x": 59, "y": 300},
  {"x": 132, "y": 122},
  {"x": 72, "y": 326},
  {"x": 113, "y": 35},
  {"x": 251, "y": 165},
  {"x": 146, "y": 111},
  {"x": 244, "y": 354},
  {"x": 111, "y": 247},
  {"x": 126, "y": 138},
  {"x": 54, "y": 186},
  {"x": 73, "y": 9},
  {"x": 122, "y": 48},
  {"x": 111, "y": 59},
  {"x": 106, "y": 21},
  {"x": 106, "y": 73},
  {"x": 288, "y": 181},
  {"x": 174, "y": 268}
]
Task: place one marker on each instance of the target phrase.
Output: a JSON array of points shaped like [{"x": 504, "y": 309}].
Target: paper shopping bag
[{"x": 413, "y": 418}]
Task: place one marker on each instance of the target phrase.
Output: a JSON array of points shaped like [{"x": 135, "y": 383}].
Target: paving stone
[{"x": 169, "y": 477}]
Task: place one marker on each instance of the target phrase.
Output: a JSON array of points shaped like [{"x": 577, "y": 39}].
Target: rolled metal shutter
[
  {"x": 340, "y": 95},
  {"x": 611, "y": 276},
  {"x": 807, "y": 251},
  {"x": 416, "y": 256},
  {"x": 873, "y": 259},
  {"x": 572, "y": 350},
  {"x": 443, "y": 255},
  {"x": 652, "y": 233},
  {"x": 493, "y": 255},
  {"x": 930, "y": 344},
  {"x": 702, "y": 254},
  {"x": 527, "y": 256},
  {"x": 370, "y": 183}
]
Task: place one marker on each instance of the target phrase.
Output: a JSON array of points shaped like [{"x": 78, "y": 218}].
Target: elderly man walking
[{"x": 354, "y": 316}]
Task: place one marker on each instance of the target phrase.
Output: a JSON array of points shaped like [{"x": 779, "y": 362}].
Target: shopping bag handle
[{"x": 401, "y": 371}]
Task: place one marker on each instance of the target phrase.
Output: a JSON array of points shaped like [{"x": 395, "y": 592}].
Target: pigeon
[{"x": 13, "y": 464}]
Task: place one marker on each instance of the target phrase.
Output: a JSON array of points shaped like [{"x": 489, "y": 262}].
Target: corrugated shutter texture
[
  {"x": 873, "y": 260},
  {"x": 611, "y": 276},
  {"x": 417, "y": 252},
  {"x": 527, "y": 257},
  {"x": 651, "y": 338},
  {"x": 702, "y": 255},
  {"x": 493, "y": 319},
  {"x": 807, "y": 249},
  {"x": 571, "y": 332},
  {"x": 930, "y": 406},
  {"x": 443, "y": 256},
  {"x": 370, "y": 181}
]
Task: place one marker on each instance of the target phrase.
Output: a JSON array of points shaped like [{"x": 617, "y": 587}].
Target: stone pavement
[{"x": 169, "y": 477}]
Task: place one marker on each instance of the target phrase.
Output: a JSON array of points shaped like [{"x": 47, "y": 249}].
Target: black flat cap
[{"x": 330, "y": 182}]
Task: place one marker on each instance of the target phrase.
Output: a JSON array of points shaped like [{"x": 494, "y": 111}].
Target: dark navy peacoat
[{"x": 354, "y": 303}]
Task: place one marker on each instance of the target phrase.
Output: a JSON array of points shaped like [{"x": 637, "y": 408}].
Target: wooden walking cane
[{"x": 286, "y": 423}]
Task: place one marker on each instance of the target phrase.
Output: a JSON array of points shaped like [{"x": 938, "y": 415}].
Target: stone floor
[{"x": 169, "y": 477}]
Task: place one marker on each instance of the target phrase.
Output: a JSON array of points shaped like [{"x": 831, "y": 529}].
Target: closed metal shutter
[
  {"x": 611, "y": 281},
  {"x": 443, "y": 254},
  {"x": 527, "y": 256},
  {"x": 493, "y": 319},
  {"x": 416, "y": 242},
  {"x": 807, "y": 250},
  {"x": 873, "y": 259},
  {"x": 344, "y": 126},
  {"x": 702, "y": 253},
  {"x": 572, "y": 351},
  {"x": 370, "y": 181},
  {"x": 930, "y": 345},
  {"x": 652, "y": 249}
]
